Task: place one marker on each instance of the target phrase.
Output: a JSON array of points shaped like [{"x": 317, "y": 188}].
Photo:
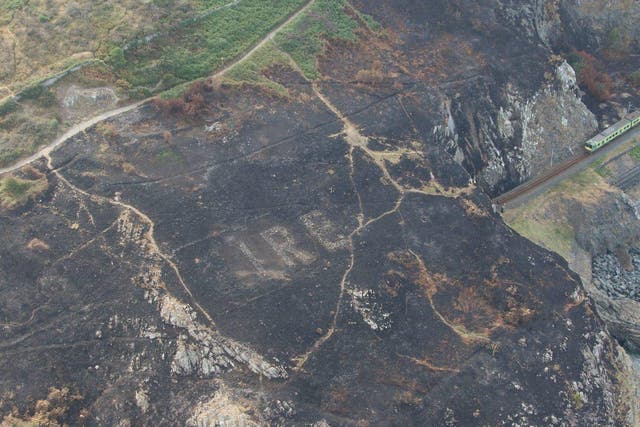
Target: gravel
[{"x": 615, "y": 281}]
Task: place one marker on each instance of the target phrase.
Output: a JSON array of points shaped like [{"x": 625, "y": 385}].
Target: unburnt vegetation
[
  {"x": 16, "y": 191},
  {"x": 146, "y": 49},
  {"x": 195, "y": 50},
  {"x": 301, "y": 43},
  {"x": 138, "y": 49}
]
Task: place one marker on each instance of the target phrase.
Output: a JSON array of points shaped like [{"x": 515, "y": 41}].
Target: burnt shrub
[{"x": 590, "y": 75}]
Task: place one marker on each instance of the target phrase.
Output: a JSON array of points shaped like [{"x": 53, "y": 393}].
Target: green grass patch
[
  {"x": 11, "y": 5},
  {"x": 8, "y": 106},
  {"x": 370, "y": 22},
  {"x": 635, "y": 153},
  {"x": 544, "y": 219},
  {"x": 583, "y": 179},
  {"x": 7, "y": 157},
  {"x": 168, "y": 156},
  {"x": 577, "y": 62},
  {"x": 603, "y": 171},
  {"x": 599, "y": 168},
  {"x": 176, "y": 91},
  {"x": 304, "y": 39},
  {"x": 251, "y": 70},
  {"x": 17, "y": 191},
  {"x": 206, "y": 44},
  {"x": 555, "y": 237}
]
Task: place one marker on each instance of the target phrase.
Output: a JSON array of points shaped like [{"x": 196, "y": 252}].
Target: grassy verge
[
  {"x": 252, "y": 70},
  {"x": 601, "y": 169},
  {"x": 303, "y": 41},
  {"x": 545, "y": 219}
]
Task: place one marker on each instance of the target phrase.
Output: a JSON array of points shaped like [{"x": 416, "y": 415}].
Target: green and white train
[{"x": 612, "y": 132}]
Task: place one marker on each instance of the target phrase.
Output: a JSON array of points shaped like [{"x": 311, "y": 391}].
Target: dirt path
[
  {"x": 73, "y": 131},
  {"x": 46, "y": 150},
  {"x": 357, "y": 141}
]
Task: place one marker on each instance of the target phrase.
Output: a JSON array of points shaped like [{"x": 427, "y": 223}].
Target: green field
[{"x": 204, "y": 45}]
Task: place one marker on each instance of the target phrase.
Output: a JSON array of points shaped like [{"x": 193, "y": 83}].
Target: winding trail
[
  {"x": 357, "y": 141},
  {"x": 73, "y": 131},
  {"x": 80, "y": 127},
  {"x": 149, "y": 234}
]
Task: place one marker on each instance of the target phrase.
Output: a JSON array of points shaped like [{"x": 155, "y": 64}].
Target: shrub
[
  {"x": 108, "y": 130},
  {"x": 590, "y": 75},
  {"x": 17, "y": 191},
  {"x": 616, "y": 41},
  {"x": 191, "y": 103},
  {"x": 169, "y": 106},
  {"x": 8, "y": 106},
  {"x": 15, "y": 188},
  {"x": 32, "y": 92},
  {"x": 139, "y": 93},
  {"x": 116, "y": 58}
]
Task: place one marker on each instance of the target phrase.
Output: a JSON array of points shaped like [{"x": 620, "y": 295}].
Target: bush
[
  {"x": 15, "y": 188},
  {"x": 618, "y": 42},
  {"x": 139, "y": 93},
  {"x": 32, "y": 92},
  {"x": 169, "y": 106},
  {"x": 191, "y": 103},
  {"x": 116, "y": 58},
  {"x": 8, "y": 106},
  {"x": 590, "y": 75}
]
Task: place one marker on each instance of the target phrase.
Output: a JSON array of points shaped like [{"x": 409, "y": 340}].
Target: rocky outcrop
[
  {"x": 615, "y": 279},
  {"x": 622, "y": 316},
  {"x": 538, "y": 20},
  {"x": 606, "y": 224},
  {"x": 209, "y": 353},
  {"x": 617, "y": 296},
  {"x": 507, "y": 138},
  {"x": 78, "y": 102}
]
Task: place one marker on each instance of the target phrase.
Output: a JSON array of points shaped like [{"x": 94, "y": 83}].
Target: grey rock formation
[
  {"x": 614, "y": 279},
  {"x": 531, "y": 128},
  {"x": 607, "y": 225}
]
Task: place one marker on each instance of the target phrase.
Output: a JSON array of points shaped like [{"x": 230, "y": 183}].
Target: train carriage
[{"x": 612, "y": 132}]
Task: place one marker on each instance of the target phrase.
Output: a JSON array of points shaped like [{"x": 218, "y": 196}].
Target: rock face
[
  {"x": 609, "y": 225},
  {"x": 80, "y": 102},
  {"x": 620, "y": 308},
  {"x": 314, "y": 259},
  {"x": 528, "y": 133},
  {"x": 504, "y": 120},
  {"x": 615, "y": 279}
]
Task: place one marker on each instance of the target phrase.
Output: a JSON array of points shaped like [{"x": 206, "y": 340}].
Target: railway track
[
  {"x": 532, "y": 184},
  {"x": 628, "y": 179}
]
